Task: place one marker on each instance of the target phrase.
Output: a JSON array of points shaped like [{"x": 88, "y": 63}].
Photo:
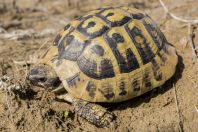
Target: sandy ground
[{"x": 171, "y": 107}]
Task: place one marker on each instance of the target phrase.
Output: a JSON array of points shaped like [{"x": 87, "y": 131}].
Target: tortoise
[{"x": 110, "y": 55}]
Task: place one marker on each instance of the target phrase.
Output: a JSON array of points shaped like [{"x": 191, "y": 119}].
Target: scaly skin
[{"x": 94, "y": 113}]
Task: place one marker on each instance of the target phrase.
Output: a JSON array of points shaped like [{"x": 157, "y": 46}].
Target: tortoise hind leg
[{"x": 92, "y": 112}]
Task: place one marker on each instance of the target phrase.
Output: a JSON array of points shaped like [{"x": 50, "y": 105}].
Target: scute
[
  {"x": 96, "y": 65},
  {"x": 72, "y": 46},
  {"x": 114, "y": 17},
  {"x": 111, "y": 55},
  {"x": 92, "y": 27}
]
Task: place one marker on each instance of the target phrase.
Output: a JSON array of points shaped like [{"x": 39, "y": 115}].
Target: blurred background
[{"x": 28, "y": 28}]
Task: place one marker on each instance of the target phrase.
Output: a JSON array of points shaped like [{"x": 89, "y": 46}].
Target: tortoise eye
[{"x": 42, "y": 79}]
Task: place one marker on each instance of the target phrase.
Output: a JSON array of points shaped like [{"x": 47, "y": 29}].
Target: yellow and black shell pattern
[{"x": 111, "y": 55}]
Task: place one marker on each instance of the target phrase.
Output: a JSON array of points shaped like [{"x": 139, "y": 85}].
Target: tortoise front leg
[
  {"x": 59, "y": 89},
  {"x": 92, "y": 112}
]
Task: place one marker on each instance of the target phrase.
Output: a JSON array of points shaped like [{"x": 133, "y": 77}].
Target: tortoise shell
[{"x": 111, "y": 55}]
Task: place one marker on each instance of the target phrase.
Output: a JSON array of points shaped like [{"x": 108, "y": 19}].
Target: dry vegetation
[{"x": 28, "y": 27}]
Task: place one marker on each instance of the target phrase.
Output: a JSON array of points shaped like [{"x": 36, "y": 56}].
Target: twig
[
  {"x": 176, "y": 17},
  {"x": 37, "y": 51},
  {"x": 32, "y": 60},
  {"x": 191, "y": 41},
  {"x": 196, "y": 109},
  {"x": 14, "y": 23},
  {"x": 26, "y": 34},
  {"x": 23, "y": 62},
  {"x": 190, "y": 22},
  {"x": 178, "y": 110},
  {"x": 9, "y": 105}
]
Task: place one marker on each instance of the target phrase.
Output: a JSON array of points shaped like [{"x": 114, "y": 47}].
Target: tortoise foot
[{"x": 94, "y": 113}]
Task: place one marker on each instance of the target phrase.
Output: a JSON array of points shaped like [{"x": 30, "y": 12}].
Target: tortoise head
[{"x": 44, "y": 76}]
